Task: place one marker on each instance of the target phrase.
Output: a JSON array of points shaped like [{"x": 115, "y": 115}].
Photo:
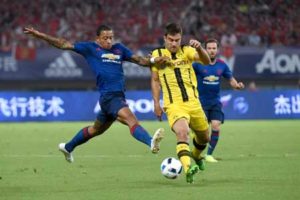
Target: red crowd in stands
[{"x": 139, "y": 23}]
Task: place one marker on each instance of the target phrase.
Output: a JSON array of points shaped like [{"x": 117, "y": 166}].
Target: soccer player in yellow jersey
[{"x": 173, "y": 72}]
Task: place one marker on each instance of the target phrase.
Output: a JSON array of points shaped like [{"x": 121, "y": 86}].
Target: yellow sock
[
  {"x": 196, "y": 153},
  {"x": 184, "y": 155},
  {"x": 198, "y": 148}
]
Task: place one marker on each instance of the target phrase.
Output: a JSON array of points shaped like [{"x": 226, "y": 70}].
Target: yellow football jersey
[{"x": 177, "y": 78}]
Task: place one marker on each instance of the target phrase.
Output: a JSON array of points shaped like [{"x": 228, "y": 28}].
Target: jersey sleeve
[
  {"x": 190, "y": 52},
  {"x": 227, "y": 73},
  {"x": 127, "y": 53},
  {"x": 154, "y": 67},
  {"x": 81, "y": 48}
]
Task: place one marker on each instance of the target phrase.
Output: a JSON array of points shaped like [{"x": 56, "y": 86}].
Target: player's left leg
[
  {"x": 199, "y": 125},
  {"x": 138, "y": 132},
  {"x": 87, "y": 133},
  {"x": 214, "y": 138},
  {"x": 200, "y": 141},
  {"x": 83, "y": 136},
  {"x": 217, "y": 118}
]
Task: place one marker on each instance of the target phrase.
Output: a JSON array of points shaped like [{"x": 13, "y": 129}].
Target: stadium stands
[
  {"x": 238, "y": 24},
  {"x": 139, "y": 23}
]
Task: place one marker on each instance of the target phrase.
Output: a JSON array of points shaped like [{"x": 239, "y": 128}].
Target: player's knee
[
  {"x": 203, "y": 136},
  {"x": 129, "y": 121},
  {"x": 182, "y": 134},
  {"x": 95, "y": 130},
  {"x": 215, "y": 126}
]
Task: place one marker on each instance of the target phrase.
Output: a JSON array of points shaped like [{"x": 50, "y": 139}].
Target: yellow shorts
[{"x": 192, "y": 111}]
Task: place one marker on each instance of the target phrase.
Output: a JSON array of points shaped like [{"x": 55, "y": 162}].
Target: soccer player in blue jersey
[
  {"x": 209, "y": 81},
  {"x": 105, "y": 59}
]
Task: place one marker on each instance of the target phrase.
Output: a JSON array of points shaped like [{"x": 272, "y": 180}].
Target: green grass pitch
[{"x": 260, "y": 160}]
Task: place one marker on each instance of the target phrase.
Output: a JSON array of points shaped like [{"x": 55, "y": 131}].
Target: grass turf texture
[{"x": 260, "y": 160}]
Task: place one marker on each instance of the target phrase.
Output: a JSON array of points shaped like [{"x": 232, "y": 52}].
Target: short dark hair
[
  {"x": 173, "y": 29},
  {"x": 211, "y": 40},
  {"x": 102, "y": 28}
]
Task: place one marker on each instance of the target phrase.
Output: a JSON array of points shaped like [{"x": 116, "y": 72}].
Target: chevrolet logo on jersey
[
  {"x": 211, "y": 78},
  {"x": 111, "y": 56}
]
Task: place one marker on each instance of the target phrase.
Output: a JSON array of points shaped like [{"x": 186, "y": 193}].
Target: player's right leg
[
  {"x": 214, "y": 138},
  {"x": 196, "y": 154},
  {"x": 200, "y": 142},
  {"x": 83, "y": 136},
  {"x": 190, "y": 174},
  {"x": 156, "y": 139},
  {"x": 181, "y": 129},
  {"x": 138, "y": 132},
  {"x": 68, "y": 155},
  {"x": 216, "y": 119}
]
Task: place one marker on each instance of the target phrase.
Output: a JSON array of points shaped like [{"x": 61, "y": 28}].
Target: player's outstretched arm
[
  {"x": 57, "y": 42},
  {"x": 155, "y": 88},
  {"x": 201, "y": 54},
  {"x": 236, "y": 85},
  {"x": 141, "y": 60},
  {"x": 147, "y": 60}
]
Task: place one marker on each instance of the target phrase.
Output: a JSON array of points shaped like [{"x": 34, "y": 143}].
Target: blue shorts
[
  {"x": 214, "y": 112},
  {"x": 110, "y": 104}
]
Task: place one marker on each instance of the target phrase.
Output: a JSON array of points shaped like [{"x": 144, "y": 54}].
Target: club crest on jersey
[
  {"x": 219, "y": 71},
  {"x": 117, "y": 51}
]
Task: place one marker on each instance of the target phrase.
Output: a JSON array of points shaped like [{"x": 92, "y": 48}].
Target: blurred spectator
[
  {"x": 253, "y": 39},
  {"x": 228, "y": 39},
  {"x": 252, "y": 86}
]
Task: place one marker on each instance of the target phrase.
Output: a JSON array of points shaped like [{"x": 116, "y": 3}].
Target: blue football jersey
[
  {"x": 209, "y": 81},
  {"x": 106, "y": 64}
]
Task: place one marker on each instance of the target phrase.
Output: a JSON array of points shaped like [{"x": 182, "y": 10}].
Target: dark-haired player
[
  {"x": 105, "y": 59},
  {"x": 209, "y": 81},
  {"x": 176, "y": 77}
]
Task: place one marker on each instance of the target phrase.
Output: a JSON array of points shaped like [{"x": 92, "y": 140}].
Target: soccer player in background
[
  {"x": 173, "y": 72},
  {"x": 209, "y": 81},
  {"x": 105, "y": 59}
]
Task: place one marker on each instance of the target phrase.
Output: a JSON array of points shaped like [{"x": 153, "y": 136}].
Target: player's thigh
[
  {"x": 181, "y": 129},
  {"x": 176, "y": 112},
  {"x": 125, "y": 116},
  {"x": 217, "y": 115},
  {"x": 198, "y": 121}
]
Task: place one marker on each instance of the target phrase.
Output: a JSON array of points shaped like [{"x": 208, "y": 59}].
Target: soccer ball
[{"x": 171, "y": 168}]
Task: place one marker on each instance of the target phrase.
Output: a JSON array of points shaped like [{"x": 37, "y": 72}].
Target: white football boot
[
  {"x": 155, "y": 142},
  {"x": 67, "y": 155}
]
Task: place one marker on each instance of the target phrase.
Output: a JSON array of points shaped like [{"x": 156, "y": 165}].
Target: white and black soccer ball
[{"x": 171, "y": 168}]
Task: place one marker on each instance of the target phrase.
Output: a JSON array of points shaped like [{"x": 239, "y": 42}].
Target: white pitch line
[
  {"x": 268, "y": 156},
  {"x": 56, "y": 156},
  {"x": 136, "y": 156}
]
